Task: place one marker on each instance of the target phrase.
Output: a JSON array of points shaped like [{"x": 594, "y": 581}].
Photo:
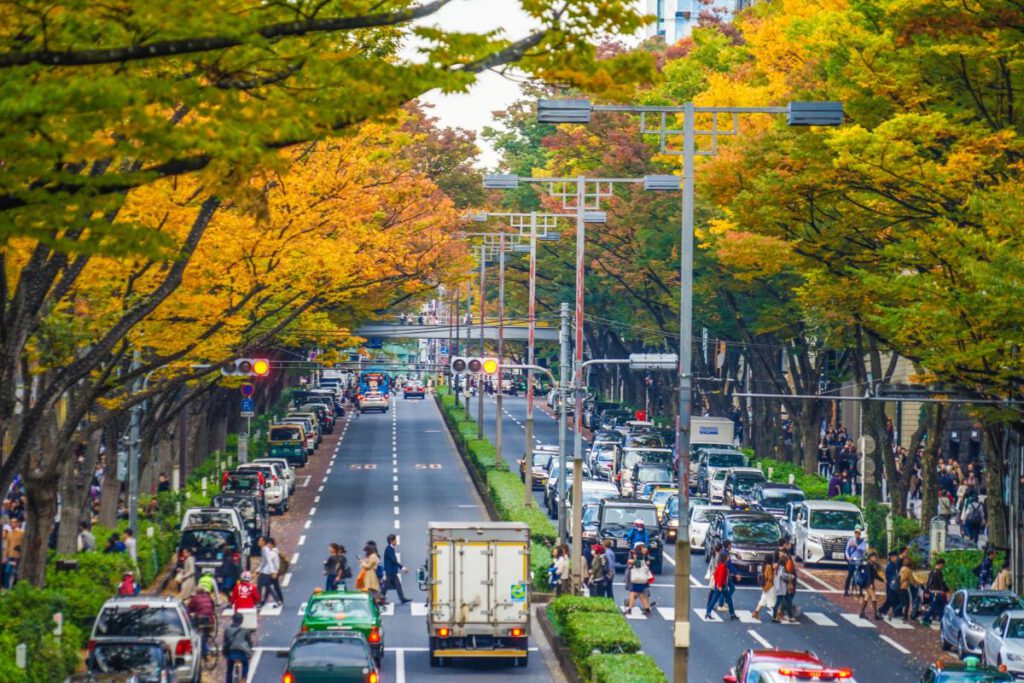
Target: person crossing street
[{"x": 393, "y": 569}]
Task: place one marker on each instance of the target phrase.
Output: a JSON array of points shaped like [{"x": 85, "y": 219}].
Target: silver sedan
[
  {"x": 969, "y": 613},
  {"x": 1004, "y": 641}
]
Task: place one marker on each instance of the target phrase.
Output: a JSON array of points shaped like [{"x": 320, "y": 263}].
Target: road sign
[
  {"x": 247, "y": 390},
  {"x": 443, "y": 350},
  {"x": 653, "y": 361},
  {"x": 248, "y": 406}
]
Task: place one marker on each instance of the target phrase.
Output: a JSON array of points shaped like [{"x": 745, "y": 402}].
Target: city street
[
  {"x": 839, "y": 637},
  {"x": 389, "y": 473}
]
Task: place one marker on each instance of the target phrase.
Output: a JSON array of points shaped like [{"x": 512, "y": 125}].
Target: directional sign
[
  {"x": 247, "y": 390},
  {"x": 653, "y": 361},
  {"x": 248, "y": 405},
  {"x": 518, "y": 592}
]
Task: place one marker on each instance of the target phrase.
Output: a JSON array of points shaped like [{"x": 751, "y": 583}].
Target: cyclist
[
  {"x": 245, "y": 594},
  {"x": 237, "y": 647},
  {"x": 202, "y": 612}
]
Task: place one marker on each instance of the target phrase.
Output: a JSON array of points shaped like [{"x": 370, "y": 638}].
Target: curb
[{"x": 561, "y": 652}]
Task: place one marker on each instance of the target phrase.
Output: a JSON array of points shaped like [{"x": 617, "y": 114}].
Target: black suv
[
  {"x": 254, "y": 513},
  {"x": 615, "y": 518},
  {"x": 773, "y": 498},
  {"x": 755, "y": 538}
]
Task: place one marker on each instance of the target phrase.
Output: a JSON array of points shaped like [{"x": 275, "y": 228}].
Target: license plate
[{"x": 838, "y": 556}]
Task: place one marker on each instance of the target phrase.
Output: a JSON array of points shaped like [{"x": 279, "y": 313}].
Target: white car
[
  {"x": 213, "y": 516},
  {"x": 276, "y": 489},
  {"x": 716, "y": 487},
  {"x": 286, "y": 470},
  {"x": 1004, "y": 642},
  {"x": 700, "y": 520},
  {"x": 822, "y": 528}
]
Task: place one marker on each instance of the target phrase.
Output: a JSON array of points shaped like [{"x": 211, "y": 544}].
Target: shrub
[
  {"x": 564, "y": 605},
  {"x": 904, "y": 528},
  {"x": 27, "y": 615},
  {"x": 635, "y": 668},
  {"x": 606, "y": 633},
  {"x": 540, "y": 560},
  {"x": 508, "y": 492},
  {"x": 961, "y": 565},
  {"x": 85, "y": 590}
]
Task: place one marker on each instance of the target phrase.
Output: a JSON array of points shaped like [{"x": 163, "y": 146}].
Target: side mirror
[{"x": 421, "y": 577}]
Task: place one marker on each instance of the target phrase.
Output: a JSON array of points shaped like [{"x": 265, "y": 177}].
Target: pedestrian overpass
[{"x": 515, "y": 331}]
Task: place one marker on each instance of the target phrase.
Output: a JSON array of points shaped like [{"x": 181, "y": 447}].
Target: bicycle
[
  {"x": 236, "y": 671},
  {"x": 208, "y": 641}
]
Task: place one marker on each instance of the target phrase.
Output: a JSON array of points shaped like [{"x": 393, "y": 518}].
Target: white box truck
[
  {"x": 712, "y": 431},
  {"x": 477, "y": 578}
]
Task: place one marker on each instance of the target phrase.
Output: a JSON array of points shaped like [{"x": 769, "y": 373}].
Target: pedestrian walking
[
  {"x": 229, "y": 571},
  {"x": 936, "y": 591},
  {"x": 86, "y": 540},
  {"x": 768, "y": 592},
  {"x": 638, "y": 576},
  {"x": 1003, "y": 581},
  {"x": 986, "y": 570},
  {"x": 784, "y": 574},
  {"x": 367, "y": 580},
  {"x": 393, "y": 569},
  {"x": 909, "y": 590},
  {"x": 720, "y": 587},
  {"x": 186, "y": 576},
  {"x": 856, "y": 548},
  {"x": 892, "y": 585},
  {"x": 331, "y": 568},
  {"x": 867, "y": 574},
  {"x": 266, "y": 574},
  {"x": 237, "y": 646}
]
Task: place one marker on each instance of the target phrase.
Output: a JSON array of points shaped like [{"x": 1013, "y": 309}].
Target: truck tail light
[
  {"x": 288, "y": 678},
  {"x": 184, "y": 647},
  {"x": 444, "y": 632},
  {"x": 373, "y": 677},
  {"x": 374, "y": 636},
  {"x": 516, "y": 632}
]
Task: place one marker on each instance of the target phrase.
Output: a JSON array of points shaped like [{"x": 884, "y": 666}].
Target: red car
[{"x": 783, "y": 666}]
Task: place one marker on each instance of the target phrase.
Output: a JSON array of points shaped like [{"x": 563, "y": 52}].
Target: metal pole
[
  {"x": 532, "y": 322},
  {"x": 682, "y": 576},
  {"x": 575, "y": 560},
  {"x": 563, "y": 385},
  {"x": 480, "y": 388},
  {"x": 133, "y": 451},
  {"x": 498, "y": 414},
  {"x": 448, "y": 374}
]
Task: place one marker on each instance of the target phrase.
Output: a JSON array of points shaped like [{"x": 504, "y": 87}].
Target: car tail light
[
  {"x": 374, "y": 636},
  {"x": 304, "y": 628},
  {"x": 373, "y": 677},
  {"x": 184, "y": 647},
  {"x": 818, "y": 674},
  {"x": 516, "y": 632},
  {"x": 288, "y": 678},
  {"x": 444, "y": 632}
]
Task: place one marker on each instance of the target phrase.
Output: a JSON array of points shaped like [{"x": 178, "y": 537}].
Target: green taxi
[
  {"x": 971, "y": 670},
  {"x": 345, "y": 611}
]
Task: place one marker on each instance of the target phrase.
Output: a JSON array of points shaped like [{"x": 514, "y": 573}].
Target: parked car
[
  {"x": 701, "y": 518},
  {"x": 275, "y": 488},
  {"x": 616, "y": 517},
  {"x": 212, "y": 516},
  {"x": 254, "y": 512},
  {"x": 288, "y": 441},
  {"x": 158, "y": 619},
  {"x": 968, "y": 614},
  {"x": 602, "y": 459},
  {"x": 244, "y": 481},
  {"x": 755, "y": 537},
  {"x": 286, "y": 471},
  {"x": 140, "y": 660},
  {"x": 822, "y": 529},
  {"x": 207, "y": 544},
  {"x": 773, "y": 498},
  {"x": 1004, "y": 642},
  {"x": 335, "y": 656},
  {"x": 784, "y": 666},
  {"x": 540, "y": 461},
  {"x": 309, "y": 433},
  {"x": 739, "y": 486},
  {"x": 314, "y": 420}
]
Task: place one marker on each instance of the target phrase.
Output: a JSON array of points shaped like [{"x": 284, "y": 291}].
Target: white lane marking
[
  {"x": 747, "y": 617},
  {"x": 270, "y": 611},
  {"x": 396, "y": 509},
  {"x": 394, "y": 470},
  {"x": 669, "y": 559},
  {"x": 286, "y": 580},
  {"x": 302, "y": 540},
  {"x": 694, "y": 582},
  {"x": 397, "y": 525},
  {"x": 667, "y": 613},
  {"x": 895, "y": 644},
  {"x": 899, "y": 624},
  {"x": 389, "y": 610},
  {"x": 306, "y": 482},
  {"x": 702, "y": 617},
  {"x": 308, "y": 524},
  {"x": 396, "y": 497},
  {"x": 302, "y": 609},
  {"x": 759, "y": 638},
  {"x": 395, "y": 487},
  {"x": 321, "y": 489},
  {"x": 399, "y": 667},
  {"x": 312, "y": 511},
  {"x": 857, "y": 621},
  {"x": 820, "y": 619},
  {"x": 632, "y": 614},
  {"x": 316, "y": 499},
  {"x": 328, "y": 471},
  {"x": 254, "y": 664},
  {"x": 394, "y": 478},
  {"x": 419, "y": 609},
  {"x": 828, "y": 586},
  {"x": 295, "y": 559}
]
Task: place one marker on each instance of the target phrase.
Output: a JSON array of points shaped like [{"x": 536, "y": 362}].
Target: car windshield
[
  {"x": 704, "y": 515},
  {"x": 590, "y": 514},
  {"x": 285, "y": 434},
  {"x": 625, "y": 516},
  {"x": 606, "y": 457},
  {"x": 660, "y": 497},
  {"x": 747, "y": 483},
  {"x": 323, "y": 654},
  {"x": 646, "y": 439},
  {"x": 340, "y": 608},
  {"x": 720, "y": 475},
  {"x": 242, "y": 483},
  {"x": 596, "y": 495},
  {"x": 988, "y": 605},
  {"x": 753, "y": 531},
  {"x": 632, "y": 457},
  {"x": 139, "y": 621},
  {"x": 727, "y": 460},
  {"x": 206, "y": 539},
  {"x": 540, "y": 458},
  {"x": 647, "y": 474},
  {"x": 1015, "y": 629},
  {"x": 209, "y": 519},
  {"x": 126, "y": 658},
  {"x": 247, "y": 506},
  {"x": 835, "y": 520},
  {"x": 776, "y": 499}
]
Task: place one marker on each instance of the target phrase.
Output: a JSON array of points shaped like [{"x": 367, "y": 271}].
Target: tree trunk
[
  {"x": 40, "y": 510},
  {"x": 929, "y": 465},
  {"x": 996, "y": 438},
  {"x": 898, "y": 493},
  {"x": 111, "y": 488}
]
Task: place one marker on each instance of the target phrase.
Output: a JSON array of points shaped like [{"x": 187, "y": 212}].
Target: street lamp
[{"x": 797, "y": 114}]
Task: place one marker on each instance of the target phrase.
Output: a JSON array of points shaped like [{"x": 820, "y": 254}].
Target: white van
[{"x": 821, "y": 529}]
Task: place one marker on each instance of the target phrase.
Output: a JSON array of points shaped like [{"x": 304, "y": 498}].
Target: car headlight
[
  {"x": 975, "y": 626},
  {"x": 674, "y": 523},
  {"x": 1012, "y": 657},
  {"x": 815, "y": 539}
]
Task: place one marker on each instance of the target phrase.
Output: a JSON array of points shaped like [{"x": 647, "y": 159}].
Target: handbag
[{"x": 361, "y": 580}]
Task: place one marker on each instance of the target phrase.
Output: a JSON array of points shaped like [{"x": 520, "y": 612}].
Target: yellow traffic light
[
  {"x": 490, "y": 366},
  {"x": 261, "y": 367}
]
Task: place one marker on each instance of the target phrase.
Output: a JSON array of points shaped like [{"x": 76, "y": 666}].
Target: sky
[{"x": 492, "y": 92}]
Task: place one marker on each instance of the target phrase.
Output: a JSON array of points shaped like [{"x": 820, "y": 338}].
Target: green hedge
[
  {"x": 814, "y": 485},
  {"x": 961, "y": 564},
  {"x": 508, "y": 493},
  {"x": 26, "y": 613},
  {"x": 635, "y": 668},
  {"x": 601, "y": 631},
  {"x": 540, "y": 560}
]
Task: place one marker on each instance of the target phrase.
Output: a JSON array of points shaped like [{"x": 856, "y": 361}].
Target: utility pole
[
  {"x": 479, "y": 381},
  {"x": 532, "y": 322},
  {"x": 133, "y": 451},
  {"x": 563, "y": 389},
  {"x": 498, "y": 421},
  {"x": 577, "y": 451}
]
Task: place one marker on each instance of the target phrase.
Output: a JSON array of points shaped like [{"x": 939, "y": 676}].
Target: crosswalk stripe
[
  {"x": 747, "y": 617},
  {"x": 857, "y": 621},
  {"x": 389, "y": 610},
  {"x": 820, "y": 619},
  {"x": 667, "y": 613},
  {"x": 702, "y": 617},
  {"x": 270, "y": 611},
  {"x": 419, "y": 609},
  {"x": 899, "y": 624}
]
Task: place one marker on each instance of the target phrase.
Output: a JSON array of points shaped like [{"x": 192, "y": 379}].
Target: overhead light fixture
[
  {"x": 661, "y": 183},
  {"x": 814, "y": 113},
  {"x": 501, "y": 181},
  {"x": 564, "y": 111}
]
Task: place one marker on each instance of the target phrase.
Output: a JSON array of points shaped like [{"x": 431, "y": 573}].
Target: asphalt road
[
  {"x": 391, "y": 473},
  {"x": 835, "y": 635}
]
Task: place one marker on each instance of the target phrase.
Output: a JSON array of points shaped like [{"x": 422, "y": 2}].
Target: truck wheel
[{"x": 520, "y": 661}]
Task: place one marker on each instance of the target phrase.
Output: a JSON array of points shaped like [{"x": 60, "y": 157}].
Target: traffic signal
[
  {"x": 473, "y": 365},
  {"x": 247, "y": 367}
]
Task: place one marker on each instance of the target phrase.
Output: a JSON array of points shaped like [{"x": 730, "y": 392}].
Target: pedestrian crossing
[{"x": 747, "y": 617}]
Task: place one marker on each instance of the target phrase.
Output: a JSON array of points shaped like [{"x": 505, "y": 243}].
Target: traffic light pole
[
  {"x": 532, "y": 322},
  {"x": 501, "y": 347}
]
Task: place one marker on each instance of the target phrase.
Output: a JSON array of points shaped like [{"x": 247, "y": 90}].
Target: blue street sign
[
  {"x": 247, "y": 390},
  {"x": 248, "y": 405},
  {"x": 444, "y": 350}
]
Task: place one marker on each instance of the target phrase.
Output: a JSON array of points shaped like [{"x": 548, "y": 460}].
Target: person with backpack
[
  {"x": 856, "y": 548},
  {"x": 128, "y": 588},
  {"x": 892, "y": 585},
  {"x": 867, "y": 573},
  {"x": 237, "y": 646},
  {"x": 986, "y": 570},
  {"x": 937, "y": 590},
  {"x": 767, "y": 580},
  {"x": 344, "y": 569},
  {"x": 973, "y": 519}
]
